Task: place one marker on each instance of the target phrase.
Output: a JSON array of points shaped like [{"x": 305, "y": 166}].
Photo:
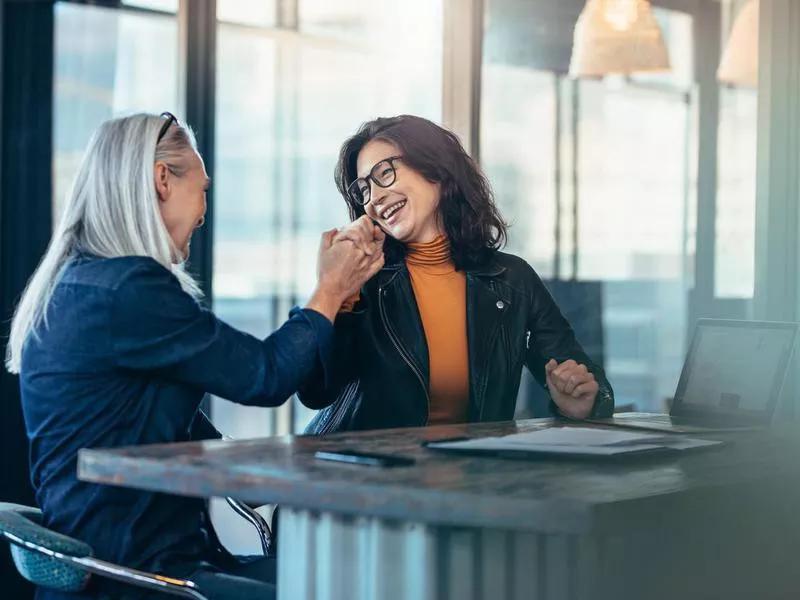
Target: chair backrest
[{"x": 34, "y": 549}]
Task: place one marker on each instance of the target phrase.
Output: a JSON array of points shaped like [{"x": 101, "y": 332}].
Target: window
[
  {"x": 736, "y": 194},
  {"x": 263, "y": 13},
  {"x": 596, "y": 179},
  {"x": 169, "y": 6},
  {"x": 108, "y": 62},
  {"x": 286, "y": 100}
]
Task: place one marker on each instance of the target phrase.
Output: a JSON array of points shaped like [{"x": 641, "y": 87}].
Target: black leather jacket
[{"x": 380, "y": 376}]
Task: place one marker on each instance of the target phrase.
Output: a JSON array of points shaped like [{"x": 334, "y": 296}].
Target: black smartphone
[
  {"x": 459, "y": 438},
  {"x": 369, "y": 459}
]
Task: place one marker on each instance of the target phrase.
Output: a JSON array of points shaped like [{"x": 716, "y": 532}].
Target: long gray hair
[{"x": 111, "y": 211}]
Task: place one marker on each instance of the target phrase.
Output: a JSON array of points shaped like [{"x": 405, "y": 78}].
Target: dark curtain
[{"x": 26, "y": 61}]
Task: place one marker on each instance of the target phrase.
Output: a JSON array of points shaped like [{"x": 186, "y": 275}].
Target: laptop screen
[{"x": 735, "y": 368}]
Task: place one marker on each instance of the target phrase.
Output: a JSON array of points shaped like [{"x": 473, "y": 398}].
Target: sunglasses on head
[{"x": 170, "y": 119}]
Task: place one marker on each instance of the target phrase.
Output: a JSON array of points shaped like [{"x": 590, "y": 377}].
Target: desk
[{"x": 717, "y": 524}]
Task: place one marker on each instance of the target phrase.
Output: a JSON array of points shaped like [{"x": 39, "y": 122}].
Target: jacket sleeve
[
  {"x": 551, "y": 336},
  {"x": 320, "y": 391},
  {"x": 160, "y": 329}
]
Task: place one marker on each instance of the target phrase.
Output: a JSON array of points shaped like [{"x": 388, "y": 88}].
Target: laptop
[{"x": 731, "y": 379}]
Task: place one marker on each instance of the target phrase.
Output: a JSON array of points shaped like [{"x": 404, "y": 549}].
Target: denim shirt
[{"x": 125, "y": 357}]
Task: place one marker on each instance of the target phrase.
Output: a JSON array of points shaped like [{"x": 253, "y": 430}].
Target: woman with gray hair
[{"x": 114, "y": 349}]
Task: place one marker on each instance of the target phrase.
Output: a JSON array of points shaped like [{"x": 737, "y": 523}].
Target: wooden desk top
[{"x": 753, "y": 472}]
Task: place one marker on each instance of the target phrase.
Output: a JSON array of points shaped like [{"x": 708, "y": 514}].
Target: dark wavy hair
[{"x": 472, "y": 223}]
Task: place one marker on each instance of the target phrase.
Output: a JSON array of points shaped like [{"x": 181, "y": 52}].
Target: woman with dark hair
[{"x": 441, "y": 333}]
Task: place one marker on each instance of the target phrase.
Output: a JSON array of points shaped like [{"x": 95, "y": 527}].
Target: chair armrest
[
  {"x": 255, "y": 519},
  {"x": 167, "y": 585},
  {"x": 52, "y": 560}
]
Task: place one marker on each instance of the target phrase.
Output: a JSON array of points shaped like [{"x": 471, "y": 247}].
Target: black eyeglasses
[
  {"x": 383, "y": 174},
  {"x": 167, "y": 124}
]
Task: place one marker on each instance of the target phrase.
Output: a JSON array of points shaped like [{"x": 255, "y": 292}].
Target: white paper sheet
[{"x": 577, "y": 441}]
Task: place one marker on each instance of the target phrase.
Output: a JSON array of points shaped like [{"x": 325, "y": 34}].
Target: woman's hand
[
  {"x": 342, "y": 268},
  {"x": 572, "y": 387},
  {"x": 364, "y": 234}
]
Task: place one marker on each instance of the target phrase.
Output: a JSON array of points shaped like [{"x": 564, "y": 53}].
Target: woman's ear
[{"x": 161, "y": 176}]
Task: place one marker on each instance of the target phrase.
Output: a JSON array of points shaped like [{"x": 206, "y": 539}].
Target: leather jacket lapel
[{"x": 402, "y": 321}]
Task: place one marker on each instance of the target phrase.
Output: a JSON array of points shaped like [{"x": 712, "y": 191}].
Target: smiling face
[{"x": 407, "y": 209}]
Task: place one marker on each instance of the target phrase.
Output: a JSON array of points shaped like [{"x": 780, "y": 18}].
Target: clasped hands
[
  {"x": 364, "y": 235},
  {"x": 348, "y": 258}
]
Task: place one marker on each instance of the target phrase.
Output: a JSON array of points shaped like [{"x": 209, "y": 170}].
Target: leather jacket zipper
[{"x": 403, "y": 353}]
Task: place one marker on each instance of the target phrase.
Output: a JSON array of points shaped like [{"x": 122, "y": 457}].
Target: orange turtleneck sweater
[{"x": 441, "y": 294}]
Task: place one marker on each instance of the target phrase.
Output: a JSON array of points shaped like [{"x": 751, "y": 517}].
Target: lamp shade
[
  {"x": 739, "y": 64},
  {"x": 617, "y": 36}
]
